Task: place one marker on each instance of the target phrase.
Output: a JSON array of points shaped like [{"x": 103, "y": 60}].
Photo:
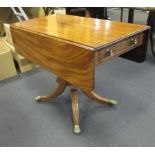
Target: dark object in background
[
  {"x": 96, "y": 12},
  {"x": 138, "y": 54},
  {"x": 76, "y": 11},
  {"x": 151, "y": 23},
  {"x": 100, "y": 13},
  {"x": 48, "y": 10}
]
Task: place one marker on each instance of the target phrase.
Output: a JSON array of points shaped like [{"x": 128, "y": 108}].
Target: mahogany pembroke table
[{"x": 71, "y": 47}]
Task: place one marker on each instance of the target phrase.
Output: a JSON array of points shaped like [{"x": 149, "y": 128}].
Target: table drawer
[
  {"x": 119, "y": 48},
  {"x": 109, "y": 51},
  {"x": 131, "y": 42}
]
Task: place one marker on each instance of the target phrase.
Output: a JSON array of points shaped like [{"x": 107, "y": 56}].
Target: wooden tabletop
[{"x": 88, "y": 32}]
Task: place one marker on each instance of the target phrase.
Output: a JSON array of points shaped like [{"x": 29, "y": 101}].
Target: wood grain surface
[
  {"x": 71, "y": 46},
  {"x": 119, "y": 48},
  {"x": 89, "y": 32},
  {"x": 65, "y": 44},
  {"x": 69, "y": 62}
]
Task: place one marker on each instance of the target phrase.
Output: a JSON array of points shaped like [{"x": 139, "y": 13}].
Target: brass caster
[
  {"x": 77, "y": 129},
  {"x": 113, "y": 102},
  {"x": 38, "y": 98}
]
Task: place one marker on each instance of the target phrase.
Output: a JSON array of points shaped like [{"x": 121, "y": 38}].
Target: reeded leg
[
  {"x": 92, "y": 95},
  {"x": 75, "y": 110},
  {"x": 59, "y": 90}
]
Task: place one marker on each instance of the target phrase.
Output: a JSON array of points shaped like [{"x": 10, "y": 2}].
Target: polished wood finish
[
  {"x": 59, "y": 57},
  {"x": 74, "y": 100},
  {"x": 150, "y": 21},
  {"x": 59, "y": 90},
  {"x": 138, "y": 54},
  {"x": 71, "y": 46},
  {"x": 89, "y": 32},
  {"x": 99, "y": 99},
  {"x": 59, "y": 43},
  {"x": 75, "y": 109},
  {"x": 119, "y": 48}
]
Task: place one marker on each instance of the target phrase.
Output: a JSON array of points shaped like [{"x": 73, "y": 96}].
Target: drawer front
[
  {"x": 132, "y": 41},
  {"x": 109, "y": 51},
  {"x": 119, "y": 48}
]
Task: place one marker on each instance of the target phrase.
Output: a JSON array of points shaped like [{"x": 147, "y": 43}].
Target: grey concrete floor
[{"x": 23, "y": 122}]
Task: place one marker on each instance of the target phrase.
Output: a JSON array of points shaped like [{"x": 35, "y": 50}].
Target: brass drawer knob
[
  {"x": 110, "y": 52},
  {"x": 133, "y": 41}
]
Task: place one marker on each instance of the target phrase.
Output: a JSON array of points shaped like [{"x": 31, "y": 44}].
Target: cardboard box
[
  {"x": 7, "y": 66},
  {"x": 23, "y": 64},
  {"x": 2, "y": 38},
  {"x": 15, "y": 55},
  {"x": 62, "y": 11},
  {"x": 8, "y": 34}
]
